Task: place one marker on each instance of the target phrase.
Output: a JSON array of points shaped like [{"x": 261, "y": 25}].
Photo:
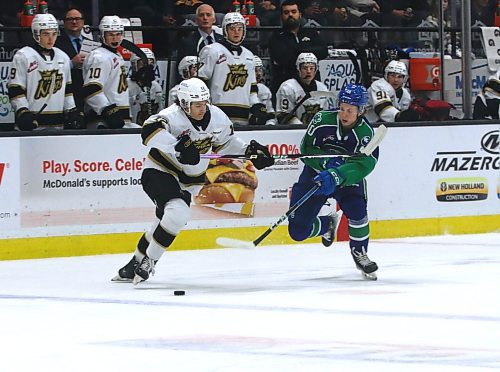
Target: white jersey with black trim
[
  {"x": 265, "y": 97},
  {"x": 162, "y": 131},
  {"x": 105, "y": 80},
  {"x": 384, "y": 103},
  {"x": 231, "y": 80},
  {"x": 35, "y": 78},
  {"x": 290, "y": 93},
  {"x": 172, "y": 95},
  {"x": 140, "y": 108}
]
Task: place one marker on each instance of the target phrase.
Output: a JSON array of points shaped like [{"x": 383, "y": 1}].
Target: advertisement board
[{"x": 10, "y": 200}]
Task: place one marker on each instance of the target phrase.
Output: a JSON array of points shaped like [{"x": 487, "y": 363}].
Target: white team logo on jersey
[{"x": 237, "y": 77}]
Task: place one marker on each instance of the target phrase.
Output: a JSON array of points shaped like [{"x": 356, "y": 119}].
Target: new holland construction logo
[{"x": 459, "y": 189}]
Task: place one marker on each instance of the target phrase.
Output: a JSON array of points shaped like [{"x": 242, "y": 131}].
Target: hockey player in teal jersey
[{"x": 341, "y": 131}]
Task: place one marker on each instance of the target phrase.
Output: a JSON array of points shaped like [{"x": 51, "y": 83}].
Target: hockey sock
[{"x": 359, "y": 233}]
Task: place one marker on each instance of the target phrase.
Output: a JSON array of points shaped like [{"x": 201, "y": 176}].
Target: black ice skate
[
  {"x": 333, "y": 224},
  {"x": 127, "y": 272},
  {"x": 145, "y": 268},
  {"x": 364, "y": 264}
]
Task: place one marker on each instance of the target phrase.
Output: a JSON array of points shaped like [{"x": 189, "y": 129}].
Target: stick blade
[{"x": 234, "y": 243}]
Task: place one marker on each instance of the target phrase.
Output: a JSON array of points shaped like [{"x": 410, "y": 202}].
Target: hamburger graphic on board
[{"x": 229, "y": 182}]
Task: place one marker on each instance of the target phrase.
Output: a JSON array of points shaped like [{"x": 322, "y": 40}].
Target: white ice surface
[{"x": 435, "y": 307}]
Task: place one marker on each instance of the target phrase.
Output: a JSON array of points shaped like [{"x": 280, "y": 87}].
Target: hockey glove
[
  {"x": 328, "y": 180},
  {"x": 259, "y": 115},
  {"x": 188, "y": 153},
  {"x": 113, "y": 117},
  {"x": 74, "y": 119},
  {"x": 407, "y": 115},
  {"x": 259, "y": 155},
  {"x": 25, "y": 119},
  {"x": 145, "y": 76},
  {"x": 334, "y": 162}
]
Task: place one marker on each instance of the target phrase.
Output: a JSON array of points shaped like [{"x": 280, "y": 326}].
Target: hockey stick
[
  {"x": 236, "y": 243},
  {"x": 367, "y": 150},
  {"x": 311, "y": 94}
]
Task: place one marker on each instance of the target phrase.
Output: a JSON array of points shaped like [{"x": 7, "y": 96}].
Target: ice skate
[
  {"x": 127, "y": 272},
  {"x": 367, "y": 267},
  {"x": 145, "y": 268},
  {"x": 333, "y": 224}
]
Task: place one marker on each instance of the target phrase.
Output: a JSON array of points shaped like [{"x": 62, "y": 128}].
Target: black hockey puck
[{"x": 179, "y": 293}]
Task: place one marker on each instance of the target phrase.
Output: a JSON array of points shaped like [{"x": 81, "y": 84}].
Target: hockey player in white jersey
[
  {"x": 145, "y": 94},
  {"x": 292, "y": 91},
  {"x": 188, "y": 68},
  {"x": 389, "y": 100},
  {"x": 174, "y": 172},
  {"x": 105, "y": 85},
  {"x": 228, "y": 69},
  {"x": 263, "y": 112},
  {"x": 40, "y": 88}
]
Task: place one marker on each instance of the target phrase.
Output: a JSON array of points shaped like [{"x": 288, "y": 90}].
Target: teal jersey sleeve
[{"x": 325, "y": 134}]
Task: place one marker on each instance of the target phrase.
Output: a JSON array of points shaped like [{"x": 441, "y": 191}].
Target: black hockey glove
[
  {"x": 74, "y": 119},
  {"x": 113, "y": 117},
  {"x": 145, "y": 75},
  {"x": 188, "y": 153},
  {"x": 259, "y": 114},
  {"x": 408, "y": 115},
  {"x": 259, "y": 155},
  {"x": 25, "y": 119}
]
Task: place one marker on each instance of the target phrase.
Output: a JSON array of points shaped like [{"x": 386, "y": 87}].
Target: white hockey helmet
[
  {"x": 43, "y": 22},
  {"x": 258, "y": 62},
  {"x": 306, "y": 58},
  {"x": 396, "y": 67},
  {"x": 232, "y": 18},
  {"x": 185, "y": 64},
  {"x": 110, "y": 23},
  {"x": 134, "y": 58},
  {"x": 192, "y": 90}
]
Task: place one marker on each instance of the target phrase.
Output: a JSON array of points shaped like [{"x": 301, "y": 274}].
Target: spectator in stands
[
  {"x": 145, "y": 93},
  {"x": 294, "y": 103},
  {"x": 403, "y": 13},
  {"x": 268, "y": 12},
  {"x": 434, "y": 19},
  {"x": 483, "y": 11},
  {"x": 286, "y": 45},
  {"x": 263, "y": 112},
  {"x": 229, "y": 69},
  {"x": 365, "y": 9},
  {"x": 40, "y": 88},
  {"x": 192, "y": 43},
  {"x": 334, "y": 13},
  {"x": 389, "y": 100},
  {"x": 105, "y": 85},
  {"x": 70, "y": 42}
]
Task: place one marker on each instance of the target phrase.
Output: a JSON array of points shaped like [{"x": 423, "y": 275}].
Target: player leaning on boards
[
  {"x": 343, "y": 179},
  {"x": 40, "y": 88},
  {"x": 294, "y": 103},
  {"x": 105, "y": 85},
  {"x": 389, "y": 100},
  {"x": 174, "y": 171}
]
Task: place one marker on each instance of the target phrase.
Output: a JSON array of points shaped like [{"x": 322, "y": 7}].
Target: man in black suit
[
  {"x": 192, "y": 43},
  {"x": 70, "y": 42}
]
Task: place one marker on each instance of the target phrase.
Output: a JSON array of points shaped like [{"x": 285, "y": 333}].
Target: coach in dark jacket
[
  {"x": 70, "y": 42},
  {"x": 192, "y": 43},
  {"x": 286, "y": 45}
]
